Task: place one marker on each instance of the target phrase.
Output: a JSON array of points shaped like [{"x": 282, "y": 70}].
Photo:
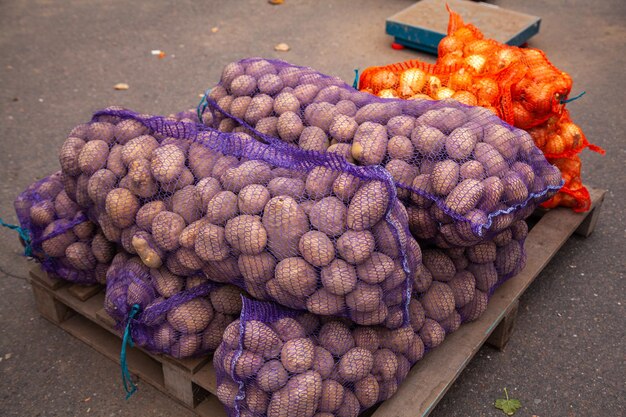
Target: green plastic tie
[
  {"x": 24, "y": 234},
  {"x": 129, "y": 385}
]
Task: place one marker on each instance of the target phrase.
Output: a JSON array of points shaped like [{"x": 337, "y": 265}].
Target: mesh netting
[
  {"x": 62, "y": 239},
  {"x": 177, "y": 316},
  {"x": 279, "y": 362},
  {"x": 303, "y": 228},
  {"x": 462, "y": 164},
  {"x": 520, "y": 85}
]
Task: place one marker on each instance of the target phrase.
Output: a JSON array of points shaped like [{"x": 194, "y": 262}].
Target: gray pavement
[{"x": 60, "y": 60}]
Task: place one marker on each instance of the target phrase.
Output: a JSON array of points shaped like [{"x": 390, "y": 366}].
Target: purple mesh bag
[
  {"x": 303, "y": 228},
  {"x": 62, "y": 239},
  {"x": 455, "y": 166},
  {"x": 176, "y": 316},
  {"x": 277, "y": 362}
]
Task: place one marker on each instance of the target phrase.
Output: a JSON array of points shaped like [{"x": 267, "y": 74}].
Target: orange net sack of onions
[{"x": 520, "y": 85}]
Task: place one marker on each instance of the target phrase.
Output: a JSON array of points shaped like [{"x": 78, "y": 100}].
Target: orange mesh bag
[
  {"x": 520, "y": 85},
  {"x": 573, "y": 194}
]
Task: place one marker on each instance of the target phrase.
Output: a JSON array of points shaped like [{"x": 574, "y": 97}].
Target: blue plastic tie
[
  {"x": 24, "y": 234},
  {"x": 355, "y": 83},
  {"x": 203, "y": 105},
  {"x": 129, "y": 385},
  {"x": 573, "y": 98}
]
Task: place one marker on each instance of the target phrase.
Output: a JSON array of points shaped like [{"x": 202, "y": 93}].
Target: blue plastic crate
[{"x": 423, "y": 25}]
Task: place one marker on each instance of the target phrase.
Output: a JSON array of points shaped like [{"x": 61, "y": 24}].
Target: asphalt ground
[{"x": 59, "y": 62}]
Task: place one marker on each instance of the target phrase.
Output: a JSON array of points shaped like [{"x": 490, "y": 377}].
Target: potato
[
  {"x": 201, "y": 160},
  {"x": 139, "y": 179},
  {"x": 342, "y": 128},
  {"x": 297, "y": 355},
  {"x": 122, "y": 206},
  {"x": 355, "y": 364},
  {"x": 197, "y": 281},
  {"x": 481, "y": 253},
  {"x": 289, "y": 126},
  {"x": 318, "y": 114},
  {"x": 211, "y": 243},
  {"x": 272, "y": 376},
  {"x": 465, "y": 196},
  {"x": 323, "y": 363},
  {"x": 515, "y": 190},
  {"x": 187, "y": 345},
  {"x": 102, "y": 249},
  {"x": 306, "y": 281},
  {"x": 101, "y": 130},
  {"x": 432, "y": 334},
  {"x": 428, "y": 141},
  {"x": 187, "y": 203},
  {"x": 261, "y": 339},
  {"x": 292, "y": 187},
  {"x": 367, "y": 391},
  {"x": 191, "y": 316},
  {"x": 79, "y": 256},
  {"x": 505, "y": 141},
  {"x": 127, "y": 129},
  {"x": 99, "y": 185},
  {"x": 93, "y": 156},
  {"x": 519, "y": 230},
  {"x": 329, "y": 94},
  {"x": 460, "y": 143},
  {"x": 286, "y": 102},
  {"x": 316, "y": 248},
  {"x": 239, "y": 106},
  {"x": 400, "y": 147},
  {"x": 328, "y": 215},
  {"x": 300, "y": 397},
  {"x": 166, "y": 283},
  {"x": 376, "y": 268},
  {"x": 346, "y": 107},
  {"x": 451, "y": 323},
  {"x": 146, "y": 214},
  {"x": 226, "y": 392},
  {"x": 140, "y": 147},
  {"x": 222, "y": 207},
  {"x": 229, "y": 73},
  {"x": 422, "y": 224},
  {"x": 64, "y": 207},
  {"x": 369, "y": 145},
  {"x": 336, "y": 338},
  {"x": 243, "y": 85},
  {"x": 438, "y": 301},
  {"x": 402, "y": 173},
  {"x": 490, "y": 158},
  {"x": 312, "y": 138},
  {"x": 270, "y": 84},
  {"x": 345, "y": 185},
  {"x": 166, "y": 229},
  {"x": 257, "y": 269},
  {"x": 324, "y": 302},
  {"x": 247, "y": 364},
  {"x": 249, "y": 172},
  {"x": 42, "y": 213},
  {"x": 462, "y": 286},
  {"x": 212, "y": 335},
  {"x": 377, "y": 316},
  {"x": 364, "y": 298},
  {"x": 368, "y": 206},
  {"x": 355, "y": 246},
  {"x": 260, "y": 106},
  {"x": 285, "y": 222},
  {"x": 473, "y": 170},
  {"x": 344, "y": 150},
  {"x": 350, "y": 406},
  {"x": 509, "y": 258},
  {"x": 332, "y": 396},
  {"x": 164, "y": 337},
  {"x": 267, "y": 126},
  {"x": 385, "y": 364},
  {"x": 112, "y": 232},
  {"x": 402, "y": 125},
  {"x": 319, "y": 182},
  {"x": 256, "y": 400},
  {"x": 475, "y": 308},
  {"x": 424, "y": 190},
  {"x": 445, "y": 177},
  {"x": 339, "y": 277},
  {"x": 439, "y": 264},
  {"x": 259, "y": 67},
  {"x": 167, "y": 163},
  {"x": 460, "y": 262},
  {"x": 226, "y": 300},
  {"x": 246, "y": 234},
  {"x": 278, "y": 294},
  {"x": 379, "y": 112}
]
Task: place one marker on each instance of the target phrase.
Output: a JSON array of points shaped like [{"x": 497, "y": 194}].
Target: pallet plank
[
  {"x": 430, "y": 378},
  {"x": 206, "y": 378},
  {"x": 49, "y": 307},
  {"x": 84, "y": 292},
  {"x": 211, "y": 407},
  {"x": 42, "y": 277}
]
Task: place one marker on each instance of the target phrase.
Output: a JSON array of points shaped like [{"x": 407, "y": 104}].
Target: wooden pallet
[{"x": 79, "y": 311}]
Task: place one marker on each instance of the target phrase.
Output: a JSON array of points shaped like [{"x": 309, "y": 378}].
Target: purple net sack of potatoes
[
  {"x": 466, "y": 173},
  {"x": 277, "y": 362},
  {"x": 62, "y": 239},
  {"x": 177, "y": 316},
  {"x": 303, "y": 228}
]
